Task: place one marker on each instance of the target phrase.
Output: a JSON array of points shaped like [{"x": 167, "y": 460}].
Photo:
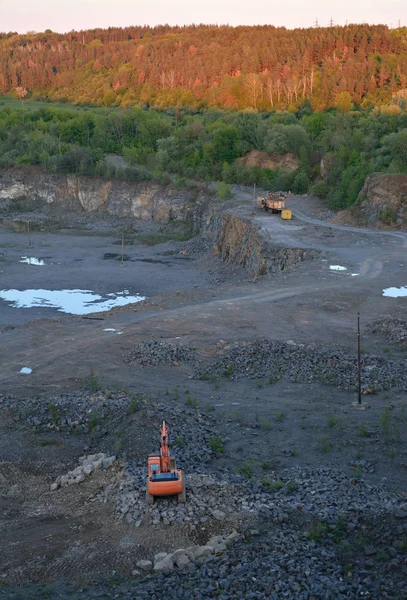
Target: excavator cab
[{"x": 163, "y": 477}]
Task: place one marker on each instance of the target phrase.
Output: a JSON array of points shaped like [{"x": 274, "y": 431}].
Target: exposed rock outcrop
[
  {"x": 383, "y": 199},
  {"x": 257, "y": 158},
  {"x": 240, "y": 242},
  {"x": 30, "y": 188}
]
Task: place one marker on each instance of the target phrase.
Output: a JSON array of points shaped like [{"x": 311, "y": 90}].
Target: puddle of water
[
  {"x": 29, "y": 260},
  {"x": 26, "y": 370},
  {"x": 394, "y": 292},
  {"x": 74, "y": 302},
  {"x": 337, "y": 268}
]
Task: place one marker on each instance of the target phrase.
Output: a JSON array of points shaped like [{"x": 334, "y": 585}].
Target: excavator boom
[{"x": 165, "y": 463}]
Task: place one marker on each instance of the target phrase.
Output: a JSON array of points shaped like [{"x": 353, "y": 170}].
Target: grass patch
[
  {"x": 280, "y": 416},
  {"x": 93, "y": 383},
  {"x": 271, "y": 486},
  {"x": 191, "y": 401},
  {"x": 385, "y": 422},
  {"x": 318, "y": 531},
  {"x": 362, "y": 430},
  {"x": 291, "y": 486},
  {"x": 357, "y": 473},
  {"x": 49, "y": 442},
  {"x": 93, "y": 422},
  {"x": 53, "y": 409},
  {"x": 245, "y": 469},
  {"x": 216, "y": 444},
  {"x": 266, "y": 425},
  {"x": 333, "y": 422},
  {"x": 228, "y": 371},
  {"x": 325, "y": 444},
  {"x": 179, "y": 442}
]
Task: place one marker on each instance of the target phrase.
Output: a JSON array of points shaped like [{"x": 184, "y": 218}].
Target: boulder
[
  {"x": 144, "y": 565},
  {"x": 202, "y": 551},
  {"x": 166, "y": 564}
]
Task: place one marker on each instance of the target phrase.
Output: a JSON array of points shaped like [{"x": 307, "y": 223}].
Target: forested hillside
[
  {"x": 330, "y": 153},
  {"x": 262, "y": 67}
]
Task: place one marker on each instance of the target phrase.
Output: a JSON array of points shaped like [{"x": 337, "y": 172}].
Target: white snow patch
[
  {"x": 30, "y": 260},
  {"x": 74, "y": 302},
  {"x": 394, "y": 292}
]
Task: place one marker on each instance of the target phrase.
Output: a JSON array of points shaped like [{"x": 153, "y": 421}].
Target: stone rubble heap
[
  {"x": 87, "y": 465},
  {"x": 154, "y": 353},
  {"x": 306, "y": 364},
  {"x": 321, "y": 535},
  {"x": 394, "y": 330},
  {"x": 164, "y": 562},
  {"x": 317, "y": 493},
  {"x": 207, "y": 498}
]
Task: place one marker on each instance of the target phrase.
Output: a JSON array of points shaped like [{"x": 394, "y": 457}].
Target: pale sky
[{"x": 65, "y": 15}]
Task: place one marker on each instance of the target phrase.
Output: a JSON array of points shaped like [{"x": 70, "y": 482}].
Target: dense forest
[
  {"x": 185, "y": 146},
  {"x": 263, "y": 68}
]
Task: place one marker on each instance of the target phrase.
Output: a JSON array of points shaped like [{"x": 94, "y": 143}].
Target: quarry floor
[{"x": 194, "y": 300}]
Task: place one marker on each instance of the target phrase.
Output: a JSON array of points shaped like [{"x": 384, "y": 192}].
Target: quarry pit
[{"x": 240, "y": 331}]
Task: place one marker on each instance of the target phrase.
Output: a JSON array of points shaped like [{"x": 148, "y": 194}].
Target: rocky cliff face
[
  {"x": 240, "y": 242},
  {"x": 31, "y": 188},
  {"x": 383, "y": 199}
]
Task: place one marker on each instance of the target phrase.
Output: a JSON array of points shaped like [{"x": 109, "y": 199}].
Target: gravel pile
[
  {"x": 394, "y": 330},
  {"x": 306, "y": 364},
  {"x": 321, "y": 535},
  {"x": 119, "y": 422},
  {"x": 154, "y": 353},
  {"x": 318, "y": 493},
  {"x": 74, "y": 412}
]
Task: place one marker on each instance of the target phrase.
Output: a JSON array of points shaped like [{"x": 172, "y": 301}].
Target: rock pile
[
  {"x": 149, "y": 354},
  {"x": 306, "y": 364},
  {"x": 208, "y": 498},
  {"x": 394, "y": 330},
  {"x": 87, "y": 465},
  {"x": 182, "y": 557},
  {"x": 320, "y": 535}
]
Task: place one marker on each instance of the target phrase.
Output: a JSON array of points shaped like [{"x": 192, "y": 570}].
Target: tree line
[
  {"x": 263, "y": 68},
  {"x": 334, "y": 151}
]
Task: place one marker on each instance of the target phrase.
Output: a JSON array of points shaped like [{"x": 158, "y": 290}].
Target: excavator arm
[{"x": 165, "y": 462}]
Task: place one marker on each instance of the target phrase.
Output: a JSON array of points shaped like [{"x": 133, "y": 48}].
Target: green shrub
[
  {"x": 216, "y": 444},
  {"x": 300, "y": 183}
]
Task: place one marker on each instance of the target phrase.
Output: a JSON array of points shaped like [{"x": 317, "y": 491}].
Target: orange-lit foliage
[{"x": 201, "y": 66}]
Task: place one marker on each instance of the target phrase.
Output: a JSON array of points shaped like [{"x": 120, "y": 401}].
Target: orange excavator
[{"x": 164, "y": 479}]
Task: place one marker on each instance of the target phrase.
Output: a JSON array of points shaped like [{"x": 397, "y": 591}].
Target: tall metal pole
[
  {"x": 122, "y": 261},
  {"x": 29, "y": 235},
  {"x": 359, "y": 368}
]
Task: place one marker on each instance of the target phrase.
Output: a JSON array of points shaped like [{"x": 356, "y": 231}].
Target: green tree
[{"x": 226, "y": 144}]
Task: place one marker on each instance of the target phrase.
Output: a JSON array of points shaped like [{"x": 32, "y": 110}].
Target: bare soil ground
[{"x": 193, "y": 301}]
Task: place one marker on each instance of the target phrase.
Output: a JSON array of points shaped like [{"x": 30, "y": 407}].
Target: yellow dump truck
[{"x": 275, "y": 204}]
